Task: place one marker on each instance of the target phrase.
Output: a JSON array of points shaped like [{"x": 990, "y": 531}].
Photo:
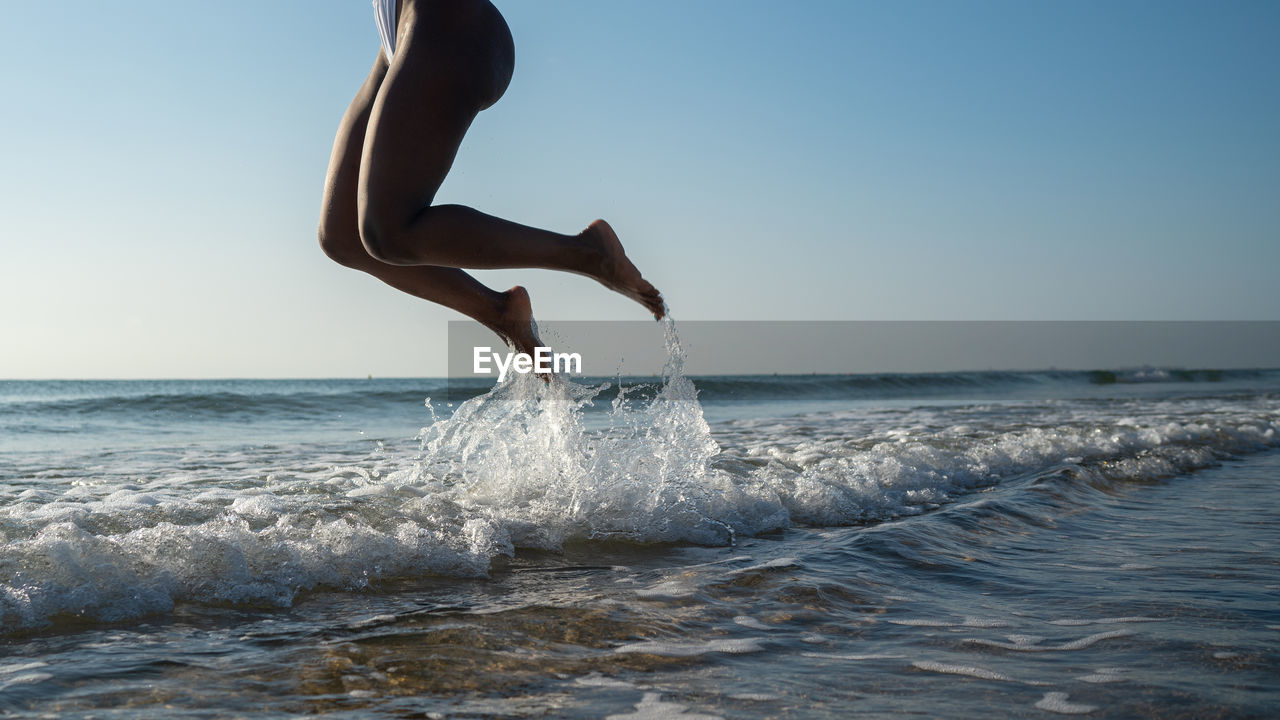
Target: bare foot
[
  {"x": 515, "y": 323},
  {"x": 617, "y": 272}
]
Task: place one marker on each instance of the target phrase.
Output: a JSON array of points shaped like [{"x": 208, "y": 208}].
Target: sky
[{"x": 161, "y": 166}]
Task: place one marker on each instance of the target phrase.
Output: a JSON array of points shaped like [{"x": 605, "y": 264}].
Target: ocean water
[{"x": 961, "y": 545}]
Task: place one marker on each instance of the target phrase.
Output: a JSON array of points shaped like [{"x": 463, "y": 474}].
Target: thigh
[
  {"x": 452, "y": 60},
  {"x": 339, "y": 220}
]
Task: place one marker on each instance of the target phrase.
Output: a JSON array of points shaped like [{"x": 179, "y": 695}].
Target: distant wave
[
  {"x": 714, "y": 388},
  {"x": 196, "y": 400},
  {"x": 1162, "y": 375},
  {"x": 197, "y": 405}
]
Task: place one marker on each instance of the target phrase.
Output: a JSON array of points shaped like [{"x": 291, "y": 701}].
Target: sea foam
[
  {"x": 515, "y": 467},
  {"x": 522, "y": 466}
]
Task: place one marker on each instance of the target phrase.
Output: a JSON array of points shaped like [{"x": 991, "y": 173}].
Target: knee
[
  {"x": 343, "y": 248},
  {"x": 375, "y": 239},
  {"x": 388, "y": 241}
]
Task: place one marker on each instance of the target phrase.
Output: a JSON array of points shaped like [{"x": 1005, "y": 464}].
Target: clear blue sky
[{"x": 162, "y": 167}]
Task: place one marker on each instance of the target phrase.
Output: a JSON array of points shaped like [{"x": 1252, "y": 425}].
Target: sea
[{"x": 1103, "y": 543}]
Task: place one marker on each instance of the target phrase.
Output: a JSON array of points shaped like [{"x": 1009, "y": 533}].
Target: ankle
[
  {"x": 496, "y": 310},
  {"x": 588, "y": 249}
]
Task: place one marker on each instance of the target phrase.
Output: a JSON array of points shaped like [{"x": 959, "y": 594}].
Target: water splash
[{"x": 523, "y": 462}]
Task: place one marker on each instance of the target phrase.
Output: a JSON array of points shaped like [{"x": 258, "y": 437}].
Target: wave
[
  {"x": 518, "y": 468},
  {"x": 213, "y": 404},
  {"x": 300, "y": 399},
  {"x": 1177, "y": 375},
  {"x": 752, "y": 387}
]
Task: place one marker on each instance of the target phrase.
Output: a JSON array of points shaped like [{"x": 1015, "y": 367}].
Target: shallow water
[{"x": 1016, "y": 544}]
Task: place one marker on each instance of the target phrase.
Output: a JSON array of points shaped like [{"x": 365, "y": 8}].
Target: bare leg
[
  {"x": 452, "y": 60},
  {"x": 507, "y": 313}
]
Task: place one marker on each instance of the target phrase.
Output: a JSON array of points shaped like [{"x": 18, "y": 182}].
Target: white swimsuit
[{"x": 384, "y": 13}]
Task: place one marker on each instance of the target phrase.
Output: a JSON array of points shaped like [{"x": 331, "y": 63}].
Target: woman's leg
[
  {"x": 452, "y": 60},
  {"x": 507, "y": 314}
]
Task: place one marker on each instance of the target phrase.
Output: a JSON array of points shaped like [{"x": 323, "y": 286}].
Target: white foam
[
  {"x": 756, "y": 697},
  {"x": 981, "y": 622},
  {"x": 750, "y": 622},
  {"x": 111, "y": 577},
  {"x": 260, "y": 506},
  {"x": 691, "y": 649},
  {"x": 651, "y": 707},
  {"x": 1031, "y": 643},
  {"x": 1104, "y": 675},
  {"x": 774, "y": 564},
  {"x": 24, "y": 679},
  {"x": 909, "y": 470},
  {"x": 371, "y": 621},
  {"x": 969, "y": 621},
  {"x": 598, "y": 680},
  {"x": 1105, "y": 568},
  {"x": 1105, "y": 621},
  {"x": 851, "y": 656},
  {"x": 967, "y": 670},
  {"x": 923, "y": 622},
  {"x": 19, "y": 667},
  {"x": 1056, "y": 702},
  {"x": 1092, "y": 639}
]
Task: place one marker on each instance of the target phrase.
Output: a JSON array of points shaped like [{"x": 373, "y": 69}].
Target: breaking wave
[{"x": 520, "y": 467}]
